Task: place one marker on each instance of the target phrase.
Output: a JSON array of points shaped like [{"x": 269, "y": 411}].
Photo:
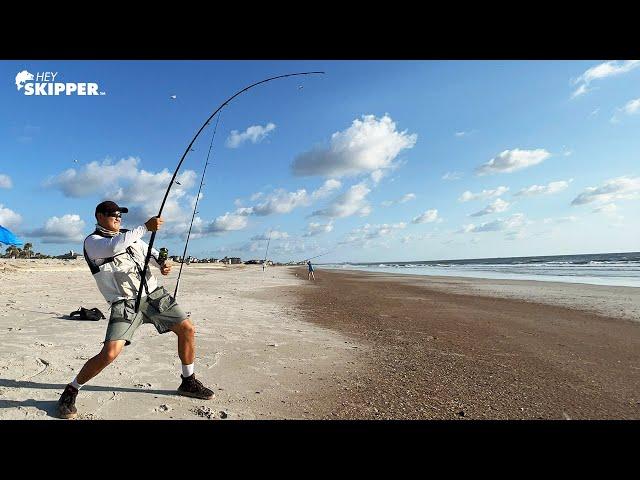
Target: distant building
[
  {"x": 231, "y": 260},
  {"x": 70, "y": 256}
]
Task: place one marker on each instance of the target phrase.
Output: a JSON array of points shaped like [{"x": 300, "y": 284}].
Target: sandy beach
[
  {"x": 351, "y": 345},
  {"x": 252, "y": 347}
]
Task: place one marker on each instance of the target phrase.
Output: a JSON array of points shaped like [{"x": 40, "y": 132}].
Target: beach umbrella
[{"x": 8, "y": 237}]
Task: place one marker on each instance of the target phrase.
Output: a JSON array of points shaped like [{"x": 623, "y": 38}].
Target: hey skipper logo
[{"x": 44, "y": 83}]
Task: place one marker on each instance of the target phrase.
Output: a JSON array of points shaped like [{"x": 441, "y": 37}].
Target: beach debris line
[
  {"x": 187, "y": 150},
  {"x": 206, "y": 412}
]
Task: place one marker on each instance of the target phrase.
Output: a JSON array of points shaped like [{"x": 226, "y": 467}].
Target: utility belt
[{"x": 160, "y": 299}]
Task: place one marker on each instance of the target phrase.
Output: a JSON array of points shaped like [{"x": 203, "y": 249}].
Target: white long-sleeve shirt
[{"x": 116, "y": 269}]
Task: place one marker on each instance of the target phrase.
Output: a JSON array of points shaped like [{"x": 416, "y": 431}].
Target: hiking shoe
[
  {"x": 67, "y": 403},
  {"x": 190, "y": 387}
]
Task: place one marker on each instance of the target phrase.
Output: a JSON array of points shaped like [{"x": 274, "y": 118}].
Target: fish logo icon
[{"x": 23, "y": 77}]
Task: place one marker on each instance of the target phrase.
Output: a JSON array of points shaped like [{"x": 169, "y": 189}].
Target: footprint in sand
[
  {"x": 42, "y": 364},
  {"x": 216, "y": 359}
]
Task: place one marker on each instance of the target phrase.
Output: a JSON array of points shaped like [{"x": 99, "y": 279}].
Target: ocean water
[{"x": 621, "y": 269}]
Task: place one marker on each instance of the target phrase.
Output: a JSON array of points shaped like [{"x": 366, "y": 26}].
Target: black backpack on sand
[{"x": 87, "y": 314}]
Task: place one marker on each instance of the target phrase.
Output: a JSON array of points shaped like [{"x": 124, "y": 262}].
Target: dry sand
[{"x": 252, "y": 347}]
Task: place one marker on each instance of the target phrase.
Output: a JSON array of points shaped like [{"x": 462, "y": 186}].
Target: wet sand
[{"x": 460, "y": 348}]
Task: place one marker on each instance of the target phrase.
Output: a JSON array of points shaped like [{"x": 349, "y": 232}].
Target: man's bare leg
[
  {"x": 110, "y": 350},
  {"x": 186, "y": 341},
  {"x": 190, "y": 387}
]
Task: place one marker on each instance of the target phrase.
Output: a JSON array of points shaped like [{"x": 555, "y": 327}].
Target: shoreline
[{"x": 614, "y": 301}]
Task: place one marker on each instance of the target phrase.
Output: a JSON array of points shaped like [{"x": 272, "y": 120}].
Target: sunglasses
[{"x": 113, "y": 214}]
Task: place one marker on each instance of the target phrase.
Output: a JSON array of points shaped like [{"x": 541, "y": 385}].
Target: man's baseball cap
[{"x": 109, "y": 207}]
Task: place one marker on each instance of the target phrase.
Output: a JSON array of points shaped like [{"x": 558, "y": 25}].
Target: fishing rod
[
  {"x": 322, "y": 254},
  {"x": 175, "y": 173},
  {"x": 267, "y": 250},
  {"x": 204, "y": 171}
]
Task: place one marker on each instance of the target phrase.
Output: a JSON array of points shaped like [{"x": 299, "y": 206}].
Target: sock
[
  {"x": 187, "y": 370},
  {"x": 75, "y": 384}
]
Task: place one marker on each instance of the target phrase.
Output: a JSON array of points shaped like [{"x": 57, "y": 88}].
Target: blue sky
[{"x": 374, "y": 161}]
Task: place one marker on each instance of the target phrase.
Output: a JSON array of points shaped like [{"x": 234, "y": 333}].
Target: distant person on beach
[
  {"x": 311, "y": 275},
  {"x": 116, "y": 258}
]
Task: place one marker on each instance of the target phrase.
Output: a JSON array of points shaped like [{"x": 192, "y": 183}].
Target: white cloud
[
  {"x": 66, "y": 229},
  {"x": 610, "y": 210},
  {"x": 353, "y": 201},
  {"x": 95, "y": 177},
  {"x": 607, "y": 208},
  {"x": 244, "y": 211},
  {"x": 514, "y": 222},
  {"x": 147, "y": 190},
  {"x": 461, "y": 134},
  {"x": 413, "y": 238},
  {"x": 314, "y": 229},
  {"x": 405, "y": 198},
  {"x": 326, "y": 189},
  {"x": 281, "y": 201},
  {"x": 253, "y": 134},
  {"x": 9, "y": 218},
  {"x": 274, "y": 235},
  {"x": 452, "y": 176},
  {"x": 5, "y": 181},
  {"x": 367, "y": 233},
  {"x": 497, "y": 206},
  {"x": 255, "y": 196},
  {"x": 621, "y": 188},
  {"x": 225, "y": 223},
  {"x": 427, "y": 217},
  {"x": 511, "y": 160},
  {"x": 551, "y": 188},
  {"x": 484, "y": 194},
  {"x": 602, "y": 70},
  {"x": 632, "y": 107},
  {"x": 367, "y": 146},
  {"x": 581, "y": 90},
  {"x": 139, "y": 190},
  {"x": 377, "y": 175},
  {"x": 295, "y": 246},
  {"x": 201, "y": 228},
  {"x": 569, "y": 219}
]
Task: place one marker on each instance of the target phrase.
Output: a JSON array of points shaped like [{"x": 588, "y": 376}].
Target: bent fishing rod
[
  {"x": 267, "y": 250},
  {"x": 322, "y": 254},
  {"x": 175, "y": 173},
  {"x": 195, "y": 207}
]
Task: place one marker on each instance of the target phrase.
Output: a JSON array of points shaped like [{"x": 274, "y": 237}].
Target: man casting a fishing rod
[{"x": 115, "y": 257}]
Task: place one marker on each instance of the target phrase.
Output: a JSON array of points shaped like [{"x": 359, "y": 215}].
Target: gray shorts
[{"x": 158, "y": 308}]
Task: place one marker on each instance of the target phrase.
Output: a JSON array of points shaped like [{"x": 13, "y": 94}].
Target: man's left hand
[{"x": 166, "y": 268}]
